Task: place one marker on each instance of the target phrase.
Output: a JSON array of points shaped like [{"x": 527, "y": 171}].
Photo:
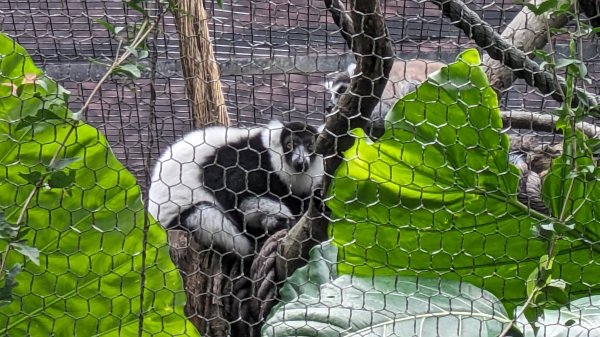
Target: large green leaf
[
  {"x": 436, "y": 196},
  {"x": 97, "y": 257},
  {"x": 316, "y": 303}
]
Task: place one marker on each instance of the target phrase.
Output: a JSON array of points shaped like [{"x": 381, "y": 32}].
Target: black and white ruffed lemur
[{"x": 231, "y": 187}]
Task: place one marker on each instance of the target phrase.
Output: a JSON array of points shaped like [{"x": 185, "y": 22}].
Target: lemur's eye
[{"x": 288, "y": 145}]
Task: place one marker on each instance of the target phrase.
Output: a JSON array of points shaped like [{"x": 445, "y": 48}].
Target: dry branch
[
  {"x": 209, "y": 278},
  {"x": 542, "y": 122},
  {"x": 200, "y": 69},
  {"x": 285, "y": 252},
  {"x": 373, "y": 51}
]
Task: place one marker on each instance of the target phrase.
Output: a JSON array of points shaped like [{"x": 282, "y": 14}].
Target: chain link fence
[{"x": 275, "y": 59}]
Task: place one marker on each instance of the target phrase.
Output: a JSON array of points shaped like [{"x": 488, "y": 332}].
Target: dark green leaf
[
  {"x": 32, "y": 177},
  {"x": 130, "y": 70},
  {"x": 106, "y": 25},
  {"x": 544, "y": 7},
  {"x": 136, "y": 5},
  {"x": 6, "y": 292},
  {"x": 173, "y": 7},
  {"x": 554, "y": 296},
  {"x": 41, "y": 116},
  {"x": 26, "y": 250},
  {"x": 220, "y": 3},
  {"x": 7, "y": 231},
  {"x": 23, "y": 231},
  {"x": 60, "y": 179},
  {"x": 532, "y": 314}
]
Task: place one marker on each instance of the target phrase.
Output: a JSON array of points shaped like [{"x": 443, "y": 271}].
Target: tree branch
[
  {"x": 373, "y": 50},
  {"x": 542, "y": 122},
  {"x": 499, "y": 49},
  {"x": 526, "y": 32},
  {"x": 342, "y": 19}
]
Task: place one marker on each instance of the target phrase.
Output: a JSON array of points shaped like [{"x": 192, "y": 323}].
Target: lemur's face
[{"x": 298, "y": 141}]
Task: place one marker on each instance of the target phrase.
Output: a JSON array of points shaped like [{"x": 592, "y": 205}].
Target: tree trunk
[
  {"x": 200, "y": 69},
  {"x": 208, "y": 277}
]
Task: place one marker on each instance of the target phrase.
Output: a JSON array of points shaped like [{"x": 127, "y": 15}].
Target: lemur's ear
[
  {"x": 321, "y": 128},
  {"x": 351, "y": 69}
]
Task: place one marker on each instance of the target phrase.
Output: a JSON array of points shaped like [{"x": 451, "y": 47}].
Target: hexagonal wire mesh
[{"x": 275, "y": 57}]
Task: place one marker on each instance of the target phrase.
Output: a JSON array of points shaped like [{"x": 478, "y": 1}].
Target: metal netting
[{"x": 275, "y": 58}]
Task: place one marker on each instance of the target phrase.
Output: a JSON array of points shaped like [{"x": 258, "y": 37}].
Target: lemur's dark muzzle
[
  {"x": 329, "y": 107},
  {"x": 300, "y": 159}
]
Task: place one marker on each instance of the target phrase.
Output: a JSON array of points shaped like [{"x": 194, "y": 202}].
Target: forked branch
[
  {"x": 285, "y": 252},
  {"x": 499, "y": 49}
]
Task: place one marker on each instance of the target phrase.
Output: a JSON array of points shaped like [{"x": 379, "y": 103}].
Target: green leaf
[
  {"x": 109, "y": 26},
  {"x": 576, "y": 66},
  {"x": 7, "y": 231},
  {"x": 26, "y": 250},
  {"x": 142, "y": 54},
  {"x": 60, "y": 179},
  {"x": 132, "y": 50},
  {"x": 130, "y": 70},
  {"x": 436, "y": 195},
  {"x": 32, "y": 178},
  {"x": 544, "y": 7},
  {"x": 571, "y": 191},
  {"x": 96, "y": 244},
  {"x": 9, "y": 284},
  {"x": 317, "y": 303},
  {"x": 24, "y": 90},
  {"x": 15, "y": 62},
  {"x": 42, "y": 115}
]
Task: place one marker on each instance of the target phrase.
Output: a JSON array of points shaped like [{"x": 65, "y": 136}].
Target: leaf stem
[{"x": 520, "y": 312}]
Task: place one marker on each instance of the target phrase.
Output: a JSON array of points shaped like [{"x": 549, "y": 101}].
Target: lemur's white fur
[{"x": 177, "y": 184}]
